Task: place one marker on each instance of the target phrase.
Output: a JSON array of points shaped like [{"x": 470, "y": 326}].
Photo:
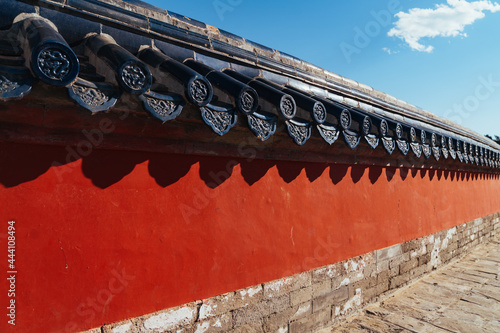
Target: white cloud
[
  {"x": 446, "y": 20},
  {"x": 389, "y": 51}
]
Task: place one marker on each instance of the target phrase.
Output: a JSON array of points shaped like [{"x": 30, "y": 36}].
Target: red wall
[{"x": 121, "y": 234}]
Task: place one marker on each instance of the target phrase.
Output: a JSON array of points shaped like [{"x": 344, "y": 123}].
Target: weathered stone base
[
  {"x": 321, "y": 297},
  {"x": 460, "y": 297}
]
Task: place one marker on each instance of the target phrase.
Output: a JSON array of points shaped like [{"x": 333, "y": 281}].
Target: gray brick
[
  {"x": 399, "y": 280},
  {"x": 388, "y": 252},
  {"x": 287, "y": 284},
  {"x": 419, "y": 271},
  {"x": 220, "y": 304},
  {"x": 408, "y": 266},
  {"x": 300, "y": 296},
  {"x": 423, "y": 260},
  {"x": 250, "y": 328},
  {"x": 331, "y": 298},
  {"x": 311, "y": 322},
  {"x": 410, "y": 246},
  {"x": 278, "y": 304},
  {"x": 382, "y": 266},
  {"x": 370, "y": 270},
  {"x": 278, "y": 320},
  {"x": 303, "y": 310},
  {"x": 366, "y": 283},
  {"x": 396, "y": 261},
  {"x": 321, "y": 288},
  {"x": 216, "y": 324},
  {"x": 386, "y": 275},
  {"x": 327, "y": 272},
  {"x": 250, "y": 314},
  {"x": 301, "y": 280}
]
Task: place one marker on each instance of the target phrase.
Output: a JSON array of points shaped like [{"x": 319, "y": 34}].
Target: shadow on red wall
[{"x": 20, "y": 163}]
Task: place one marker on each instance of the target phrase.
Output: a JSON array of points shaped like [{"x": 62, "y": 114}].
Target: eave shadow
[{"x": 22, "y": 163}]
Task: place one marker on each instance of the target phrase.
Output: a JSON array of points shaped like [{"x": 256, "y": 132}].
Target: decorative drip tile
[
  {"x": 220, "y": 119},
  {"x": 300, "y": 132},
  {"x": 161, "y": 106},
  {"x": 262, "y": 126},
  {"x": 329, "y": 133}
]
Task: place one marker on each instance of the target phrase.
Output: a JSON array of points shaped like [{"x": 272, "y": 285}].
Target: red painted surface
[{"x": 143, "y": 232}]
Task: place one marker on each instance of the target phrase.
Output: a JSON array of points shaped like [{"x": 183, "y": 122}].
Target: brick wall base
[{"x": 321, "y": 297}]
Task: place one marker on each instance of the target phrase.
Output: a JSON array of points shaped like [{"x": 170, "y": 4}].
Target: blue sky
[{"x": 442, "y": 56}]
